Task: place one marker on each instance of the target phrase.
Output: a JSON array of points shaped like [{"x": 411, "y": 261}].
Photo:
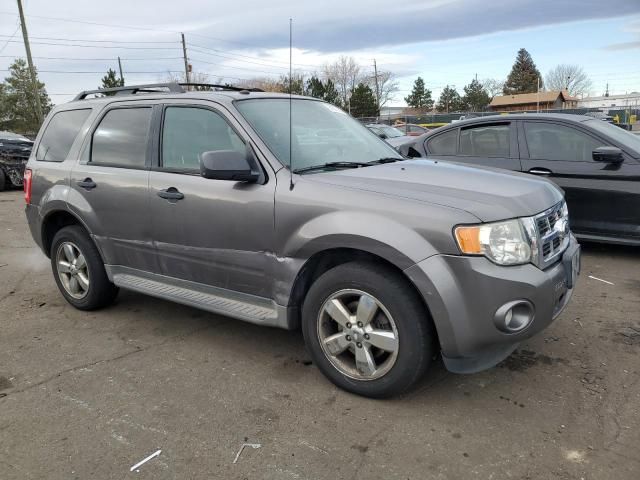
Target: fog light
[{"x": 513, "y": 317}]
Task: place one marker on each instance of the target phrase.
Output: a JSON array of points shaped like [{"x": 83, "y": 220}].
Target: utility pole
[
  {"x": 34, "y": 83},
  {"x": 186, "y": 62},
  {"x": 120, "y": 68},
  {"x": 538, "y": 96},
  {"x": 375, "y": 72}
]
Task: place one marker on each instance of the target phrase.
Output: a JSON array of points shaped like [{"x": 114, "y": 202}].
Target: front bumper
[{"x": 464, "y": 293}]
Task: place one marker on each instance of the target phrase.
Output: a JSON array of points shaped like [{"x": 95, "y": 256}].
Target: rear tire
[
  {"x": 79, "y": 271},
  {"x": 367, "y": 330},
  {"x": 3, "y": 181}
]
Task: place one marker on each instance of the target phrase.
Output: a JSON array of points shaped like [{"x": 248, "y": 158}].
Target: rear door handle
[
  {"x": 540, "y": 171},
  {"x": 87, "y": 184},
  {"x": 171, "y": 193}
]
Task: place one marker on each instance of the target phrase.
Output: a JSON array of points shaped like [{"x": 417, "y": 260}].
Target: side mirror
[
  {"x": 608, "y": 155},
  {"x": 229, "y": 165}
]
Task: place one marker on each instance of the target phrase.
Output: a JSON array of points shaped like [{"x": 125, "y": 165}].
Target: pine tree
[
  {"x": 111, "y": 81},
  {"x": 315, "y": 87},
  {"x": 475, "y": 97},
  {"x": 363, "y": 102},
  {"x": 331, "y": 93},
  {"x": 420, "y": 96},
  {"x": 449, "y": 100},
  {"x": 524, "y": 75},
  {"x": 18, "y": 101}
]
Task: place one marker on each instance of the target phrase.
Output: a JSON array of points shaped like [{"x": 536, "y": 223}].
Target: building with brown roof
[{"x": 533, "y": 102}]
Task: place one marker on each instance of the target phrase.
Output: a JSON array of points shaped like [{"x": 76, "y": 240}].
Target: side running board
[{"x": 237, "y": 305}]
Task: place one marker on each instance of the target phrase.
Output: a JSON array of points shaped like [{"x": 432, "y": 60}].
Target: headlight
[{"x": 511, "y": 242}]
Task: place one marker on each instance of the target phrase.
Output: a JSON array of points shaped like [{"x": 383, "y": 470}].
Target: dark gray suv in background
[{"x": 204, "y": 198}]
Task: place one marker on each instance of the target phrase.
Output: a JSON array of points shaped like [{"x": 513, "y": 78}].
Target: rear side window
[
  {"x": 550, "y": 141},
  {"x": 485, "y": 141},
  {"x": 121, "y": 138},
  {"x": 443, "y": 144},
  {"x": 61, "y": 131},
  {"x": 188, "y": 132}
]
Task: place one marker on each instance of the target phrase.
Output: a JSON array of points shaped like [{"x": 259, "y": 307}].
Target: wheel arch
[
  {"x": 323, "y": 261},
  {"x": 53, "y": 222}
]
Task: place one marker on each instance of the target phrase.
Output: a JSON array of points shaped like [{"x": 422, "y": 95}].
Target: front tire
[
  {"x": 79, "y": 271},
  {"x": 367, "y": 330}
]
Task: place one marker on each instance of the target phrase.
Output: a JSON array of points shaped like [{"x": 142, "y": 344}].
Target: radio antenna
[{"x": 290, "y": 103}]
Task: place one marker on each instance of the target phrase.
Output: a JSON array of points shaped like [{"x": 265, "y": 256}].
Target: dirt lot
[{"x": 88, "y": 395}]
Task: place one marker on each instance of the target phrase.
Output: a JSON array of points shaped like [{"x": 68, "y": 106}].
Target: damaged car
[{"x": 14, "y": 153}]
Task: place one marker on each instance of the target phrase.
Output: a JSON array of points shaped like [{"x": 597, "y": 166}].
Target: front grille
[{"x": 553, "y": 234}]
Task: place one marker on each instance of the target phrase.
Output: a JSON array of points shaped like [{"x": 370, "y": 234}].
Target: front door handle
[
  {"x": 171, "y": 193},
  {"x": 540, "y": 171},
  {"x": 87, "y": 184}
]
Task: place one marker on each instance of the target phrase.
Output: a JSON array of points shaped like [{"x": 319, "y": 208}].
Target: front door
[
  {"x": 214, "y": 232},
  {"x": 109, "y": 186},
  {"x": 597, "y": 193}
]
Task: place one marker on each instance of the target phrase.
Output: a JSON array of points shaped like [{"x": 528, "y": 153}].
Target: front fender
[{"x": 366, "y": 231}]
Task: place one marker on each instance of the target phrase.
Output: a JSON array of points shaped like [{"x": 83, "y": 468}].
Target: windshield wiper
[
  {"x": 325, "y": 166},
  {"x": 384, "y": 160}
]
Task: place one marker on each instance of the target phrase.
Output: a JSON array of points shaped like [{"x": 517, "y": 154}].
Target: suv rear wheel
[
  {"x": 79, "y": 271},
  {"x": 367, "y": 330}
]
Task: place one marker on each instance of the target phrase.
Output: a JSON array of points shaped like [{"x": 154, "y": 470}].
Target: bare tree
[
  {"x": 387, "y": 85},
  {"x": 179, "y": 77},
  {"x": 493, "y": 86},
  {"x": 345, "y": 75},
  {"x": 568, "y": 77}
]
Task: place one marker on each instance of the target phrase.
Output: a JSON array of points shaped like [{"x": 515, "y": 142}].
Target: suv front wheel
[
  {"x": 79, "y": 271},
  {"x": 367, "y": 330}
]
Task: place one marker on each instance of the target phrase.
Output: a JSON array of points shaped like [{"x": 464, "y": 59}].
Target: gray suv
[{"x": 286, "y": 212}]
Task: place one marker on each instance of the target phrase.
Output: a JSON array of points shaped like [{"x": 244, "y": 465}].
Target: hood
[{"x": 487, "y": 193}]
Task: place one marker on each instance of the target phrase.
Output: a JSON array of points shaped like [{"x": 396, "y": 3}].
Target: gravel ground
[{"x": 88, "y": 395}]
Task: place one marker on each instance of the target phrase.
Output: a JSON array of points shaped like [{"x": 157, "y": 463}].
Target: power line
[
  {"x": 96, "y": 46},
  {"x": 98, "y": 59},
  {"x": 199, "y": 60},
  {"x": 10, "y": 37},
  {"x": 272, "y": 64},
  {"x": 97, "y": 41}
]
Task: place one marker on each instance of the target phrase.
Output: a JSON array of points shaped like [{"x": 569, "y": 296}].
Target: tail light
[{"x": 27, "y": 185}]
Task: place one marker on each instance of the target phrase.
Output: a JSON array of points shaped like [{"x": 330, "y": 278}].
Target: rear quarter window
[{"x": 60, "y": 134}]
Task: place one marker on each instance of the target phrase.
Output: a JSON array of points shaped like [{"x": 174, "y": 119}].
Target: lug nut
[
  {"x": 359, "y": 345},
  {"x": 366, "y": 335},
  {"x": 348, "y": 325},
  {"x": 348, "y": 338},
  {"x": 360, "y": 324}
]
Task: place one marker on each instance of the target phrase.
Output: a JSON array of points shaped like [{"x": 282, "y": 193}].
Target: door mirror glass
[
  {"x": 228, "y": 165},
  {"x": 608, "y": 155}
]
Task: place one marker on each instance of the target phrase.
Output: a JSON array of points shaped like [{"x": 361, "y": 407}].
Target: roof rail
[
  {"x": 171, "y": 87},
  {"x": 133, "y": 89},
  {"x": 221, "y": 87}
]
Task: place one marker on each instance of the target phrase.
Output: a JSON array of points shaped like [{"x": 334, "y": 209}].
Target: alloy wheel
[
  {"x": 358, "y": 334},
  {"x": 72, "y": 270}
]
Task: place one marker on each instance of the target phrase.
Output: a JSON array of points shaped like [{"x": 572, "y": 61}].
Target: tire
[
  {"x": 399, "y": 314},
  {"x": 3, "y": 181},
  {"x": 84, "y": 284}
]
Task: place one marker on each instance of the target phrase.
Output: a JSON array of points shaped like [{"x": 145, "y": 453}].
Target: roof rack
[{"x": 170, "y": 87}]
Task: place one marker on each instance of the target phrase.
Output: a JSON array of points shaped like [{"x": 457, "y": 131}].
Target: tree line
[
  {"x": 524, "y": 77},
  {"x": 359, "y": 90}
]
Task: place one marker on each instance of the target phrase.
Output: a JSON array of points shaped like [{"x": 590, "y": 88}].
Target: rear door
[
  {"x": 218, "y": 233},
  {"x": 489, "y": 145},
  {"x": 597, "y": 193},
  {"x": 109, "y": 185}
]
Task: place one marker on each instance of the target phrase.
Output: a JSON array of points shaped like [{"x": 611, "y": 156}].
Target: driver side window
[
  {"x": 188, "y": 132},
  {"x": 550, "y": 141}
]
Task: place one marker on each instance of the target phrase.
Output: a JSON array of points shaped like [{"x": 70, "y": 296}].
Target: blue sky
[{"x": 444, "y": 41}]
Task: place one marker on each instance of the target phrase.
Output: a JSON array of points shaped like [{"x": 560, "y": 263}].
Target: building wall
[{"x": 615, "y": 102}]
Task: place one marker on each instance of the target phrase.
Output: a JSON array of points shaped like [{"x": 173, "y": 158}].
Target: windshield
[
  {"x": 390, "y": 132},
  {"x": 322, "y": 133},
  {"x": 627, "y": 139}
]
